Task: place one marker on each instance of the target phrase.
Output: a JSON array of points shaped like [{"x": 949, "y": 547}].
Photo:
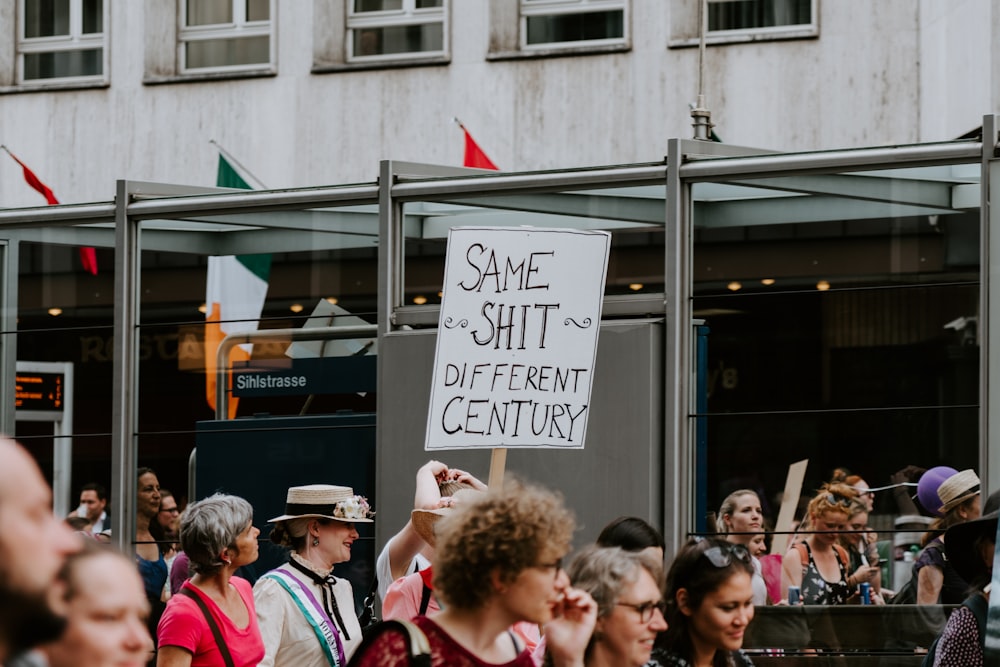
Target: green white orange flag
[{"x": 235, "y": 290}]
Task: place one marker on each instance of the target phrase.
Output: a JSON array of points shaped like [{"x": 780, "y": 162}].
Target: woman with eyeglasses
[
  {"x": 498, "y": 561},
  {"x": 819, "y": 565},
  {"x": 627, "y": 586},
  {"x": 709, "y": 602}
]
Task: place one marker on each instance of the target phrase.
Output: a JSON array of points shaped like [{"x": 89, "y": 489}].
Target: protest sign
[{"x": 517, "y": 338}]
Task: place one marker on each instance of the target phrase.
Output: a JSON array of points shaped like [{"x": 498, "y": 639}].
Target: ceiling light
[
  {"x": 822, "y": 286},
  {"x": 55, "y": 312},
  {"x": 635, "y": 287},
  {"x": 332, "y": 300},
  {"x": 295, "y": 308},
  {"x": 420, "y": 300},
  {"x": 735, "y": 286},
  {"x": 767, "y": 281},
  {"x": 203, "y": 308}
]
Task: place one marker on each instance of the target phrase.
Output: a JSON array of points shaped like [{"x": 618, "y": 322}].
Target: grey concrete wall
[{"x": 620, "y": 470}]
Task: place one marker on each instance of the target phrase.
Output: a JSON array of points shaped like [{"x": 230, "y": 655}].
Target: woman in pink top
[{"x": 218, "y": 536}]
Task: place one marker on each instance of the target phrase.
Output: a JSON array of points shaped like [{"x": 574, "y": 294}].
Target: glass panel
[
  {"x": 46, "y": 18},
  {"x": 399, "y": 39},
  {"x": 841, "y": 315},
  {"x": 427, "y": 4},
  {"x": 227, "y": 52},
  {"x": 93, "y": 17},
  {"x": 209, "y": 12},
  {"x": 310, "y": 279},
  {"x": 57, "y": 64},
  {"x": 64, "y": 345},
  {"x": 634, "y": 215},
  {"x": 361, "y": 6},
  {"x": 576, "y": 27},
  {"x": 749, "y": 14},
  {"x": 258, "y": 10}
]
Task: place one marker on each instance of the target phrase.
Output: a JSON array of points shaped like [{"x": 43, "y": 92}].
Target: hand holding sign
[{"x": 517, "y": 338}]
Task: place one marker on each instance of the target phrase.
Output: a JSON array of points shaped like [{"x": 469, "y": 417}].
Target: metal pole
[
  {"x": 123, "y": 445},
  {"x": 310, "y": 333}
]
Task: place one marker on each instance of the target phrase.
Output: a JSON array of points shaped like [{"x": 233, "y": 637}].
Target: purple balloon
[{"x": 927, "y": 488}]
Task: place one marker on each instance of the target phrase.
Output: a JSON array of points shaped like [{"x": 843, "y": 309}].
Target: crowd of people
[{"x": 476, "y": 577}]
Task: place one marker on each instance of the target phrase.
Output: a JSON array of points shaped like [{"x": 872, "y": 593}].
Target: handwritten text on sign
[{"x": 517, "y": 338}]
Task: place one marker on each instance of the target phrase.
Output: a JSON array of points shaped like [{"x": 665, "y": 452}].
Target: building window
[
  {"x": 740, "y": 21},
  {"x": 759, "y": 15},
  {"x": 396, "y": 29},
  {"x": 223, "y": 35},
  {"x": 545, "y": 23},
  {"x": 61, "y": 40}
]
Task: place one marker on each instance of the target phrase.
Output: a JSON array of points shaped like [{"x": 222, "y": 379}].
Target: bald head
[{"x": 33, "y": 546}]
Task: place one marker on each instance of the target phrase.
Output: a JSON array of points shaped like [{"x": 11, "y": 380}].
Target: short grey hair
[
  {"x": 208, "y": 526},
  {"x": 605, "y": 571}
]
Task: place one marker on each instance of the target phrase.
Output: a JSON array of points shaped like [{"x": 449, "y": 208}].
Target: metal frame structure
[{"x": 194, "y": 220}]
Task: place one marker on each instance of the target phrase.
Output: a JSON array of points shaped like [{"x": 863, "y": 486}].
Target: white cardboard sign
[{"x": 517, "y": 338}]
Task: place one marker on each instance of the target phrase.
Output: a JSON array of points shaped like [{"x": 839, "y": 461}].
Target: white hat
[
  {"x": 957, "y": 489},
  {"x": 325, "y": 501}
]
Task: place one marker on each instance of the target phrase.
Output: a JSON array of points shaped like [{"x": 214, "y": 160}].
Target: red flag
[
  {"x": 474, "y": 155},
  {"x": 88, "y": 256}
]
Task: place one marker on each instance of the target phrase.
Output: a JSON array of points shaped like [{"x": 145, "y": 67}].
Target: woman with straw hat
[
  {"x": 937, "y": 580},
  {"x": 306, "y": 614}
]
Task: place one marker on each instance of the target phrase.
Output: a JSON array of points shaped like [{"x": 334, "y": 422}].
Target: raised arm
[{"x": 407, "y": 543}]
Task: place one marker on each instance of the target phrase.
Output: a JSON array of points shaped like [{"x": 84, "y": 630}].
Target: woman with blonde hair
[
  {"x": 741, "y": 519},
  {"x": 819, "y": 565}
]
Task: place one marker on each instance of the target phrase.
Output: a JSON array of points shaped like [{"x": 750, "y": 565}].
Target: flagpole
[
  {"x": 700, "y": 114},
  {"x": 229, "y": 156}
]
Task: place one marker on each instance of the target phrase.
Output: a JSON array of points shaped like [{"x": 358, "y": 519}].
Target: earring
[{"x": 315, "y": 541}]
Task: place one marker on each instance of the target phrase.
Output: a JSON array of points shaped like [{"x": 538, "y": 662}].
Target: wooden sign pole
[
  {"x": 789, "y": 501},
  {"x": 498, "y": 461}
]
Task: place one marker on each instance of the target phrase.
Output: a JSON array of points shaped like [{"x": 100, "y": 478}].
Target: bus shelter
[{"x": 760, "y": 309}]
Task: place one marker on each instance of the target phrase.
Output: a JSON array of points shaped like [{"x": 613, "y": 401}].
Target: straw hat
[
  {"x": 325, "y": 501},
  {"x": 960, "y": 541},
  {"x": 424, "y": 520},
  {"x": 957, "y": 489}
]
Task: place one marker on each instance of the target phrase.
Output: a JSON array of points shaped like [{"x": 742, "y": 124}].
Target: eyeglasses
[
  {"x": 835, "y": 499},
  {"x": 722, "y": 556},
  {"x": 646, "y": 609},
  {"x": 554, "y": 565}
]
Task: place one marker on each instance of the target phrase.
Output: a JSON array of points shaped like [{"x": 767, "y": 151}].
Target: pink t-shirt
[{"x": 184, "y": 625}]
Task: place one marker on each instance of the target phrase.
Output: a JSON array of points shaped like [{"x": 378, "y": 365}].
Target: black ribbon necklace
[{"x": 326, "y": 585}]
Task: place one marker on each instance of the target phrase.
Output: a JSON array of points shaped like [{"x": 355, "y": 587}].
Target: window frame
[
  {"x": 238, "y": 28},
  {"x": 685, "y": 30},
  {"x": 529, "y": 8},
  {"x": 75, "y": 40},
  {"x": 408, "y": 15}
]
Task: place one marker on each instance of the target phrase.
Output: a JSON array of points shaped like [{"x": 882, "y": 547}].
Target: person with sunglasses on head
[
  {"x": 709, "y": 604},
  {"x": 628, "y": 589},
  {"x": 819, "y": 565}
]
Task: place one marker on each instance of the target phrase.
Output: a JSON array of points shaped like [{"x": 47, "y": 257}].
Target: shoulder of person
[{"x": 395, "y": 639}]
